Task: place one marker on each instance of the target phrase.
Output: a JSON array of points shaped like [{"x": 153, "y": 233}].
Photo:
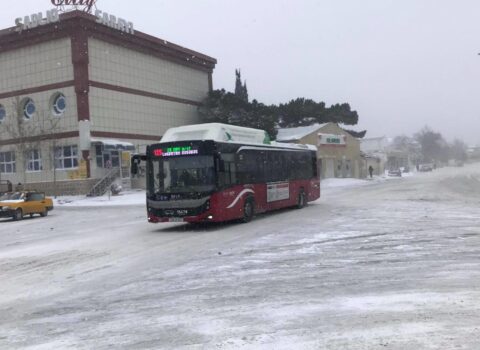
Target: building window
[
  {"x": 7, "y": 162},
  {"x": 59, "y": 104},
  {"x": 115, "y": 159},
  {"x": 34, "y": 161},
  {"x": 99, "y": 155},
  {"x": 28, "y": 108},
  {"x": 106, "y": 158},
  {"x": 66, "y": 157},
  {"x": 3, "y": 114}
]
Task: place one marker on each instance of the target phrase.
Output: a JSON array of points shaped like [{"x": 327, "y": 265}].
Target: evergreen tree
[
  {"x": 226, "y": 107},
  {"x": 303, "y": 112},
  {"x": 238, "y": 84},
  {"x": 245, "y": 91},
  {"x": 234, "y": 108},
  {"x": 240, "y": 90}
]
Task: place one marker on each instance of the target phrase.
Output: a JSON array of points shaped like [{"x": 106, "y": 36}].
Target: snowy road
[{"x": 391, "y": 265}]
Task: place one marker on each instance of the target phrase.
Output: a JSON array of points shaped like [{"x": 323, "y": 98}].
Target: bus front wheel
[{"x": 248, "y": 210}]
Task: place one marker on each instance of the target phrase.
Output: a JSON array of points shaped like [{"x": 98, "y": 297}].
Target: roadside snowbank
[
  {"x": 137, "y": 197},
  {"x": 133, "y": 197}
]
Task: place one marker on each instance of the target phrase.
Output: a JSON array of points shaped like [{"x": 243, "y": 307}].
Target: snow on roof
[
  {"x": 216, "y": 132},
  {"x": 226, "y": 133},
  {"x": 292, "y": 134},
  {"x": 294, "y": 145},
  {"x": 111, "y": 142}
]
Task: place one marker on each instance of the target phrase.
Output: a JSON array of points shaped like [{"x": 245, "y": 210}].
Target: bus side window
[
  {"x": 274, "y": 167},
  {"x": 250, "y": 167},
  {"x": 314, "y": 165},
  {"x": 269, "y": 169},
  {"x": 293, "y": 165},
  {"x": 244, "y": 171},
  {"x": 228, "y": 173}
]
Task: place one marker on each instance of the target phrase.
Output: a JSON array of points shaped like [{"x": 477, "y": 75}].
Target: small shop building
[{"x": 338, "y": 152}]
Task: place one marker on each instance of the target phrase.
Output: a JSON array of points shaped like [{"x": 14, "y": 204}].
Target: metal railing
[{"x": 104, "y": 183}]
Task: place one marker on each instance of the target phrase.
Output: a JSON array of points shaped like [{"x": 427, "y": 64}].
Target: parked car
[
  {"x": 16, "y": 205},
  {"x": 425, "y": 167},
  {"x": 395, "y": 172}
]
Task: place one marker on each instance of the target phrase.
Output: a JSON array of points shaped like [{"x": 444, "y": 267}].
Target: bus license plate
[{"x": 175, "y": 220}]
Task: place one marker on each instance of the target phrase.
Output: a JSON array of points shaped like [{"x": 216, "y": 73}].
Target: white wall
[
  {"x": 36, "y": 65},
  {"x": 117, "y": 65},
  {"x": 121, "y": 112}
]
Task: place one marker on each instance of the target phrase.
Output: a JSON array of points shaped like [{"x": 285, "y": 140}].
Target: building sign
[
  {"x": 82, "y": 169},
  {"x": 52, "y": 16},
  {"x": 85, "y": 5},
  {"x": 80, "y": 173},
  {"x": 36, "y": 19},
  {"x": 332, "y": 140},
  {"x": 114, "y": 22},
  {"x": 126, "y": 158}
]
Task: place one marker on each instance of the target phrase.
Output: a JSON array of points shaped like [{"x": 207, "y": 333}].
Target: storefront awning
[{"x": 113, "y": 144}]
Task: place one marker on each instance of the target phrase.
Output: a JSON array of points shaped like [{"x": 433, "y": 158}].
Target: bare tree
[
  {"x": 433, "y": 146},
  {"x": 459, "y": 151},
  {"x": 30, "y": 134}
]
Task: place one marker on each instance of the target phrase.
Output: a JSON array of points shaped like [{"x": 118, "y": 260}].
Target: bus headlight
[{"x": 207, "y": 205}]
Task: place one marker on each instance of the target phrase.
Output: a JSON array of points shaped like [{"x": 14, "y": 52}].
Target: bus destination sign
[{"x": 175, "y": 151}]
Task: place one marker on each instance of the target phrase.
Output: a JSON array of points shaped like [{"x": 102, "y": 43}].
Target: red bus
[{"x": 214, "y": 175}]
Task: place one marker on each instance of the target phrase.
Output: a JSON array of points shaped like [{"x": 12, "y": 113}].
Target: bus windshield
[{"x": 183, "y": 174}]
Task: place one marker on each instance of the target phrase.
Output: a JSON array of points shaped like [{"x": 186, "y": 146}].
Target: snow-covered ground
[
  {"x": 374, "y": 264},
  {"x": 137, "y": 197}
]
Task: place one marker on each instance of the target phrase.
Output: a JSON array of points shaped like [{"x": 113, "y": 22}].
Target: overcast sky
[{"x": 402, "y": 64}]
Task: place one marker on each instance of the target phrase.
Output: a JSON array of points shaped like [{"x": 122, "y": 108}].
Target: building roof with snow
[{"x": 294, "y": 134}]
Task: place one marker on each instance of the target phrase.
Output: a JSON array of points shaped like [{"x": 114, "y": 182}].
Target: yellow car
[{"x": 16, "y": 205}]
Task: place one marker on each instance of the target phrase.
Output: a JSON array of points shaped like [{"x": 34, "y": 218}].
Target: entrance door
[
  {"x": 347, "y": 168},
  {"x": 329, "y": 168}
]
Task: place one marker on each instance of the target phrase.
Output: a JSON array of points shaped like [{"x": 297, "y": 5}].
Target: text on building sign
[
  {"x": 36, "y": 19},
  {"x": 333, "y": 140},
  {"x": 85, "y": 4},
  {"x": 330, "y": 139},
  {"x": 114, "y": 22}
]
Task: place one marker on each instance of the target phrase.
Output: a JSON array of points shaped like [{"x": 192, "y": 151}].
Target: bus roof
[{"x": 226, "y": 133}]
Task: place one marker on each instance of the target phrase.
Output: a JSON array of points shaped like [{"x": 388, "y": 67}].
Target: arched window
[
  {"x": 28, "y": 108},
  {"x": 59, "y": 104},
  {"x": 3, "y": 114}
]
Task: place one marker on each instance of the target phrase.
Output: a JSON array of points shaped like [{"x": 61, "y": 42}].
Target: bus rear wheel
[
  {"x": 248, "y": 211},
  {"x": 302, "y": 200}
]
